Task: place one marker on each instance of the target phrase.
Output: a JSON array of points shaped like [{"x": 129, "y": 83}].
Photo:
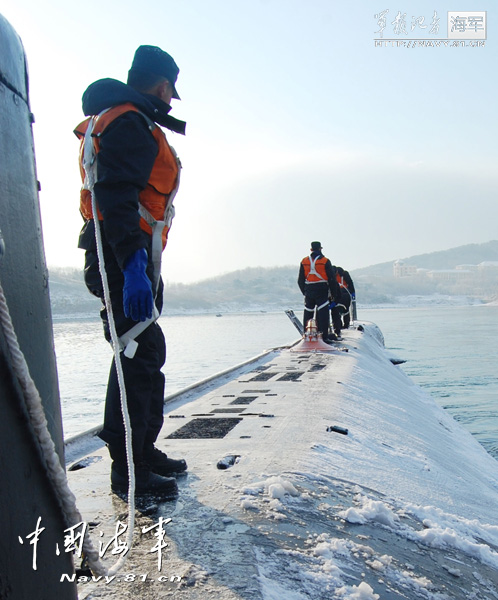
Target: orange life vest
[
  {"x": 314, "y": 269},
  {"x": 163, "y": 178},
  {"x": 340, "y": 281}
]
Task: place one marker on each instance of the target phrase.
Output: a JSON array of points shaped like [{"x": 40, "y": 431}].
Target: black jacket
[
  {"x": 124, "y": 163},
  {"x": 349, "y": 282},
  {"x": 347, "y": 279},
  {"x": 331, "y": 279}
]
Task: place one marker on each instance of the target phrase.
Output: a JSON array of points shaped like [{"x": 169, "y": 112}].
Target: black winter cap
[
  {"x": 151, "y": 59},
  {"x": 316, "y": 246}
]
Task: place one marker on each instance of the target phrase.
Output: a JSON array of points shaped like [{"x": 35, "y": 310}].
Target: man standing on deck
[
  {"x": 135, "y": 177},
  {"x": 341, "y": 311},
  {"x": 317, "y": 281}
]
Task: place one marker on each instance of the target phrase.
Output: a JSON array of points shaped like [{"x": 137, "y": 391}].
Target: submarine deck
[{"x": 311, "y": 475}]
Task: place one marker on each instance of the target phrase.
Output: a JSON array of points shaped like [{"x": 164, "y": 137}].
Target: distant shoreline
[{"x": 413, "y": 301}]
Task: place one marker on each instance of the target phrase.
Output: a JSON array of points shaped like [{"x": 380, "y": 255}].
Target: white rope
[
  {"x": 88, "y": 163},
  {"x": 38, "y": 420}
]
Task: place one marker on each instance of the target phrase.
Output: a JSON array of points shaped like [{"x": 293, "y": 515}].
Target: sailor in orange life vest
[
  {"x": 317, "y": 281},
  {"x": 136, "y": 177},
  {"x": 340, "y": 312}
]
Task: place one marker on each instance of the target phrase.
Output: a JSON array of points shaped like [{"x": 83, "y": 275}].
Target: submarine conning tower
[{"x": 32, "y": 553}]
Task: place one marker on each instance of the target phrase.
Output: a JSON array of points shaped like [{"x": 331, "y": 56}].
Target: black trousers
[
  {"x": 317, "y": 295},
  {"x": 144, "y": 380},
  {"x": 336, "y": 319},
  {"x": 340, "y": 313}
]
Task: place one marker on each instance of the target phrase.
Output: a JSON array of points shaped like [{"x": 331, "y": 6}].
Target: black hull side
[{"x": 25, "y": 494}]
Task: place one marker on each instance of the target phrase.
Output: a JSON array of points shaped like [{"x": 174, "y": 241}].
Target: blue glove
[
  {"x": 332, "y": 304},
  {"x": 353, "y": 296},
  {"x": 137, "y": 289}
]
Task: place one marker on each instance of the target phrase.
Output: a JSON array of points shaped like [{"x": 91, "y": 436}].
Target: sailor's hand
[{"x": 137, "y": 290}]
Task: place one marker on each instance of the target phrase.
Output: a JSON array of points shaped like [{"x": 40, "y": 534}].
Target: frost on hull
[{"x": 403, "y": 506}]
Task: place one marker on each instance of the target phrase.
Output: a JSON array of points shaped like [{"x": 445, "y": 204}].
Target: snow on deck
[{"x": 402, "y": 506}]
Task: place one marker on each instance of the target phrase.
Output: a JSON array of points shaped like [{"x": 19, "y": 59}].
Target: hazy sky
[{"x": 298, "y": 126}]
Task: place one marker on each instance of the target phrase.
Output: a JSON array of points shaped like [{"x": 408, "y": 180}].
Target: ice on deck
[{"x": 277, "y": 504}]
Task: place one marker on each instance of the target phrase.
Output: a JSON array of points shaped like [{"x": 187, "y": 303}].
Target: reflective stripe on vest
[
  {"x": 314, "y": 269},
  {"x": 340, "y": 280}
]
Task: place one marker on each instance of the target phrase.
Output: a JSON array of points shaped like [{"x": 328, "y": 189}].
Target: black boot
[
  {"x": 331, "y": 337},
  {"x": 146, "y": 482},
  {"x": 161, "y": 464}
]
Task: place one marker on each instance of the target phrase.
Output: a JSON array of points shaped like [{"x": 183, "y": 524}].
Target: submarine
[{"x": 315, "y": 471}]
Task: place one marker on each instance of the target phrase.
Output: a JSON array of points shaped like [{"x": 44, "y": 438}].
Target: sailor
[
  {"x": 317, "y": 281},
  {"x": 136, "y": 175},
  {"x": 341, "y": 310}
]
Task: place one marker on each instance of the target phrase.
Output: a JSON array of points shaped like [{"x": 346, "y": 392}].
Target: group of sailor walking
[{"x": 328, "y": 291}]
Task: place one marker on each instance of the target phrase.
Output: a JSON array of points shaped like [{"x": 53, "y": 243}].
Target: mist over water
[{"x": 450, "y": 352}]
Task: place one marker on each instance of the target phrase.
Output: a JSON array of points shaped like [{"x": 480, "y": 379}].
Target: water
[
  {"x": 450, "y": 351},
  {"x": 197, "y": 346}
]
